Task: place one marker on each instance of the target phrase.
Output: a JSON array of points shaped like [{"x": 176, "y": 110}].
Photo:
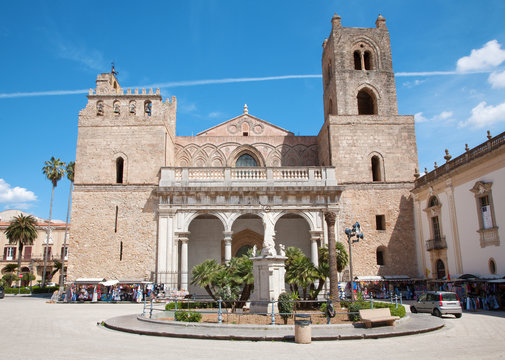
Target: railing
[
  {"x": 436, "y": 244},
  {"x": 220, "y": 311},
  {"x": 468, "y": 156},
  {"x": 35, "y": 258},
  {"x": 250, "y": 176}
]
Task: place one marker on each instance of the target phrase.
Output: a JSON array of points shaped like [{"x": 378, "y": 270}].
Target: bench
[{"x": 377, "y": 316}]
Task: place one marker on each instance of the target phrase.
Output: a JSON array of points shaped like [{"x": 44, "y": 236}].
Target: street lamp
[{"x": 355, "y": 231}]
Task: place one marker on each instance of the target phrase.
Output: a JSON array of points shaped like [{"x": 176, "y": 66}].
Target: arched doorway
[
  {"x": 245, "y": 240},
  {"x": 247, "y": 232},
  {"x": 293, "y": 230},
  {"x": 204, "y": 242}
]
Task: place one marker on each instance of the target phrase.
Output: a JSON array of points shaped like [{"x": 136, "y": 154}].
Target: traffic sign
[{"x": 20, "y": 276}]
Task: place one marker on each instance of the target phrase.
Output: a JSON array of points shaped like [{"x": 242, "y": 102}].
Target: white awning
[
  {"x": 109, "y": 282},
  {"x": 396, "y": 277},
  {"x": 89, "y": 280},
  {"x": 368, "y": 278}
]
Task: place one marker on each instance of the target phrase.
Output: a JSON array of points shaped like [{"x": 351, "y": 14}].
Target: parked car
[
  {"x": 2, "y": 292},
  {"x": 438, "y": 303}
]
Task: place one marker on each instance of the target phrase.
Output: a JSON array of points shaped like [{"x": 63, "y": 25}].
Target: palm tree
[
  {"x": 10, "y": 268},
  {"x": 203, "y": 275},
  {"x": 23, "y": 232},
  {"x": 342, "y": 257},
  {"x": 54, "y": 171},
  {"x": 57, "y": 266},
  {"x": 70, "y": 176},
  {"x": 241, "y": 270}
]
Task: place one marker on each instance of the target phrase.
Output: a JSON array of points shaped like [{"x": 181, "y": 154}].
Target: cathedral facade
[{"x": 148, "y": 204}]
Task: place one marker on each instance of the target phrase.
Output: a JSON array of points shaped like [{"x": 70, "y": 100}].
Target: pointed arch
[
  {"x": 376, "y": 163},
  {"x": 367, "y": 102},
  {"x": 120, "y": 164}
]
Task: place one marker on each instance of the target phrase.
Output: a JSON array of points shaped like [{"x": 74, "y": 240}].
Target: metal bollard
[
  {"x": 151, "y": 310},
  {"x": 219, "y": 315},
  {"x": 272, "y": 321}
]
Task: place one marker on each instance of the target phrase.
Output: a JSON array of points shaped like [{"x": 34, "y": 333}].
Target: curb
[{"x": 136, "y": 324}]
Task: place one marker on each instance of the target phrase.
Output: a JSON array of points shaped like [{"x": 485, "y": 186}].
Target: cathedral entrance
[{"x": 247, "y": 232}]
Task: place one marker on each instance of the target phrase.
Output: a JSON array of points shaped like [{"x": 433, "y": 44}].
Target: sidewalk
[{"x": 137, "y": 324}]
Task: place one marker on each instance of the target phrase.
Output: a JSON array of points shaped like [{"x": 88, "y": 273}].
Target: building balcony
[
  {"x": 436, "y": 244},
  {"x": 225, "y": 177},
  {"x": 34, "y": 258}
]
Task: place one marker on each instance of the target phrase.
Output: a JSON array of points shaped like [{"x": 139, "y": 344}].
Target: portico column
[
  {"x": 227, "y": 246},
  {"x": 331, "y": 218},
  {"x": 184, "y": 261},
  {"x": 314, "y": 253}
]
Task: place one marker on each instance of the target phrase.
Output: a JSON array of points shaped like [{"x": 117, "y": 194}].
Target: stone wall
[
  {"x": 362, "y": 203},
  {"x": 355, "y": 139},
  {"x": 95, "y": 239}
]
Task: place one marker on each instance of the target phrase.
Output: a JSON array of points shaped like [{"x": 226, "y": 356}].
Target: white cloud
[
  {"x": 90, "y": 58},
  {"x": 15, "y": 196},
  {"x": 420, "y": 118},
  {"x": 497, "y": 79},
  {"x": 485, "y": 115},
  {"x": 411, "y": 84},
  {"x": 444, "y": 115},
  {"x": 487, "y": 57},
  {"x": 216, "y": 114}
]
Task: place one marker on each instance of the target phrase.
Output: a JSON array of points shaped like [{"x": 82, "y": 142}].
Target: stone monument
[{"x": 268, "y": 270}]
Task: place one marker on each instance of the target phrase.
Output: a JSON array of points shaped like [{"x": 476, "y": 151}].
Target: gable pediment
[{"x": 245, "y": 124}]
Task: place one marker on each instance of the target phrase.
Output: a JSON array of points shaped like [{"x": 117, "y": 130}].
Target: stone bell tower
[{"x": 372, "y": 148}]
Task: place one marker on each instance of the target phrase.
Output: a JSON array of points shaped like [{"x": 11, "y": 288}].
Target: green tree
[
  {"x": 8, "y": 278},
  {"x": 54, "y": 170},
  {"x": 300, "y": 272},
  {"x": 57, "y": 266},
  {"x": 70, "y": 176},
  {"x": 203, "y": 275},
  {"x": 232, "y": 282},
  {"x": 342, "y": 257},
  {"x": 10, "y": 268},
  {"x": 241, "y": 270},
  {"x": 21, "y": 231}
]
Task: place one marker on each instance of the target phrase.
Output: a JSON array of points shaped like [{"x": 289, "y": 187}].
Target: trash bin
[{"x": 302, "y": 329}]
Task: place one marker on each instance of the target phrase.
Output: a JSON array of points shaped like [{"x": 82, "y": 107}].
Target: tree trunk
[
  {"x": 330, "y": 218},
  {"x": 62, "y": 272},
  {"x": 20, "y": 251},
  {"x": 209, "y": 291},
  {"x": 44, "y": 250}
]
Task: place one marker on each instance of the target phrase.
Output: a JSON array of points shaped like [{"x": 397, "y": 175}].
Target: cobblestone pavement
[{"x": 33, "y": 329}]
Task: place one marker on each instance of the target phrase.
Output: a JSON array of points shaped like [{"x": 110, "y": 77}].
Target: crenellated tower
[
  {"x": 124, "y": 138},
  {"x": 372, "y": 148}
]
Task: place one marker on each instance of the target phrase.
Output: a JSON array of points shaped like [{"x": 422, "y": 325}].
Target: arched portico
[{"x": 204, "y": 239}]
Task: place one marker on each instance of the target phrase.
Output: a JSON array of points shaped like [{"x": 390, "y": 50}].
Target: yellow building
[{"x": 32, "y": 260}]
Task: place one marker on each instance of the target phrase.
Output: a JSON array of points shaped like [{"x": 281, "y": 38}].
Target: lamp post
[{"x": 355, "y": 231}]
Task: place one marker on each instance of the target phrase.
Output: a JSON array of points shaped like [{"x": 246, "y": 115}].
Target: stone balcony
[
  {"x": 436, "y": 244},
  {"x": 226, "y": 177}
]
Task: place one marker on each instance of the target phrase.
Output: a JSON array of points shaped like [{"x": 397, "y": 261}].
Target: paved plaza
[{"x": 33, "y": 329}]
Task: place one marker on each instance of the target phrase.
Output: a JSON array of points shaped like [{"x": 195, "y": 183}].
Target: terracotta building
[{"x": 148, "y": 204}]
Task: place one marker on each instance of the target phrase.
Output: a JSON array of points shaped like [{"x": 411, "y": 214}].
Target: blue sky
[{"x": 448, "y": 56}]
